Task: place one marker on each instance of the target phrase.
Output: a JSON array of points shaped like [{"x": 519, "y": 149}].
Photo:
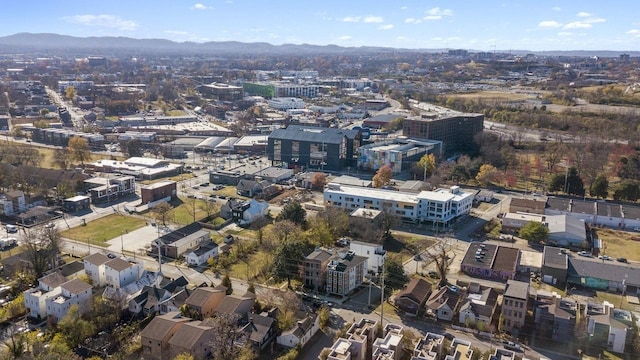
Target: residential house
[
  {"x": 195, "y": 338},
  {"x": 175, "y": 302},
  {"x": 301, "y": 333},
  {"x": 94, "y": 268},
  {"x": 73, "y": 292},
  {"x": 340, "y": 350},
  {"x": 259, "y": 331},
  {"x": 201, "y": 254},
  {"x": 611, "y": 330},
  {"x": 156, "y": 335},
  {"x": 479, "y": 306},
  {"x": 391, "y": 343},
  {"x": 345, "y": 272},
  {"x": 103, "y": 189},
  {"x": 120, "y": 273},
  {"x": 460, "y": 349},
  {"x": 35, "y": 299},
  {"x": 12, "y": 203},
  {"x": 413, "y": 297},
  {"x": 226, "y": 210},
  {"x": 554, "y": 316},
  {"x": 203, "y": 301},
  {"x": 515, "y": 302},
  {"x": 444, "y": 303},
  {"x": 244, "y": 212},
  {"x": 248, "y": 188},
  {"x": 361, "y": 335},
  {"x": 237, "y": 304},
  {"x": 374, "y": 253},
  {"x": 430, "y": 347},
  {"x": 314, "y": 269},
  {"x": 151, "y": 298}
]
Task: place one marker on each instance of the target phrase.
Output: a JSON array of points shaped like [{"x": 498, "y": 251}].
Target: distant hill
[{"x": 63, "y": 43}]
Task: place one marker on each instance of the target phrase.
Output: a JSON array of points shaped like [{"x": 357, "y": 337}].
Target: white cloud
[
  {"x": 373, "y": 19},
  {"x": 344, "y": 38},
  {"x": 200, "y": 6},
  {"x": 578, "y": 25},
  {"x": 565, "y": 34},
  {"x": 412, "y": 21},
  {"x": 549, "y": 24},
  {"x": 594, "y": 20},
  {"x": 583, "y": 14},
  {"x": 436, "y": 13},
  {"x": 556, "y": 8},
  {"x": 351, "y": 19},
  {"x": 403, "y": 8},
  {"x": 634, "y": 32},
  {"x": 103, "y": 20},
  {"x": 385, "y": 27}
]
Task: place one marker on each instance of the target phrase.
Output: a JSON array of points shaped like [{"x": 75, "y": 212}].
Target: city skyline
[{"x": 488, "y": 26}]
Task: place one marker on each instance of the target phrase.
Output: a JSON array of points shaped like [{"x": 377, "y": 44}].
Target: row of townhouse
[
  {"x": 440, "y": 207},
  {"x": 56, "y": 293}
]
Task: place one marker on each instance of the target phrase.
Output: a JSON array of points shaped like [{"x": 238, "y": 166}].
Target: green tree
[
  {"x": 41, "y": 124},
  {"x": 459, "y": 173},
  {"x": 569, "y": 183},
  {"x": 79, "y": 148},
  {"x": 534, "y": 231},
  {"x": 600, "y": 187},
  {"x": 293, "y": 211},
  {"x": 286, "y": 259},
  {"x": 627, "y": 190},
  {"x": 487, "y": 174},
  {"x": 134, "y": 147},
  {"x": 324, "y": 314},
  {"x": 394, "y": 276},
  {"x": 382, "y": 176},
  {"x": 427, "y": 165},
  {"x": 226, "y": 282},
  {"x": 74, "y": 328}
]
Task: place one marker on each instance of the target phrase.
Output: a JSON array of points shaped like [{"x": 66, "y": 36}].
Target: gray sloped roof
[{"x": 313, "y": 134}]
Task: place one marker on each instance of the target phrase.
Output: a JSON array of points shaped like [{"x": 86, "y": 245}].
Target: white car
[{"x": 584, "y": 253}]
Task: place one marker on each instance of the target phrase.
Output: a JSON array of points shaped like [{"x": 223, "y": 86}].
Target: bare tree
[
  {"x": 162, "y": 212},
  {"x": 224, "y": 335},
  {"x": 41, "y": 248},
  {"x": 439, "y": 255}
]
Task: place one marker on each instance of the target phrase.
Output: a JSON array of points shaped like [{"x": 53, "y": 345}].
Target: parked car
[
  {"x": 584, "y": 253},
  {"x": 604, "y": 257},
  {"x": 11, "y": 228},
  {"x": 622, "y": 260}
]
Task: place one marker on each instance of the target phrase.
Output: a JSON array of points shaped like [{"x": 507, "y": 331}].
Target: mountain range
[{"x": 46, "y": 42}]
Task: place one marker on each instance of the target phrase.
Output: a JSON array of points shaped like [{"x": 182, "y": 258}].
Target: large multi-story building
[
  {"x": 345, "y": 273},
  {"x": 280, "y": 89},
  {"x": 398, "y": 154},
  {"x": 222, "y": 92},
  {"x": 456, "y": 130},
  {"x": 313, "y": 147},
  {"x": 439, "y": 208}
]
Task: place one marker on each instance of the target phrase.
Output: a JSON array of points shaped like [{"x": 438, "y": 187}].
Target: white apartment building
[
  {"x": 390, "y": 344},
  {"x": 120, "y": 273},
  {"x": 35, "y": 299},
  {"x": 94, "y": 268},
  {"x": 439, "y": 207},
  {"x": 374, "y": 253},
  {"x": 73, "y": 292}
]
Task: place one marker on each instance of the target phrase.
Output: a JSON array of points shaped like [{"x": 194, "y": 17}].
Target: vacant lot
[
  {"x": 99, "y": 231},
  {"x": 620, "y": 243},
  {"x": 494, "y": 95},
  {"x": 186, "y": 211}
]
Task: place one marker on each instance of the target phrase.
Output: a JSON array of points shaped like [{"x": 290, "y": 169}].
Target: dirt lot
[{"x": 620, "y": 243}]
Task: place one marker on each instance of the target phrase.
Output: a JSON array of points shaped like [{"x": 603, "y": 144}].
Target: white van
[{"x": 11, "y": 228}]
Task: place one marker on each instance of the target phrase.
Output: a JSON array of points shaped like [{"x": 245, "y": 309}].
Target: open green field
[
  {"x": 255, "y": 267},
  {"x": 228, "y": 191},
  {"x": 99, "y": 231},
  {"x": 620, "y": 244}
]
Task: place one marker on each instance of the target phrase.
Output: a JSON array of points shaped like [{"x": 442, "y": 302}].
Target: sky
[{"x": 536, "y": 25}]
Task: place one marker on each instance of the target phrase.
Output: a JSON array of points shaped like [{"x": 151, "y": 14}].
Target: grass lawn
[
  {"x": 182, "y": 213},
  {"x": 248, "y": 233},
  {"x": 614, "y": 299},
  {"x": 620, "y": 243},
  {"x": 99, "y": 231},
  {"x": 407, "y": 245},
  {"x": 252, "y": 267},
  {"x": 229, "y": 191}
]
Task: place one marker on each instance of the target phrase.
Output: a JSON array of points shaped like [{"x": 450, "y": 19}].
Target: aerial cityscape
[{"x": 405, "y": 185}]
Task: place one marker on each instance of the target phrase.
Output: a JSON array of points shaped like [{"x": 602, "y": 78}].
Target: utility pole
[{"x": 382, "y": 299}]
